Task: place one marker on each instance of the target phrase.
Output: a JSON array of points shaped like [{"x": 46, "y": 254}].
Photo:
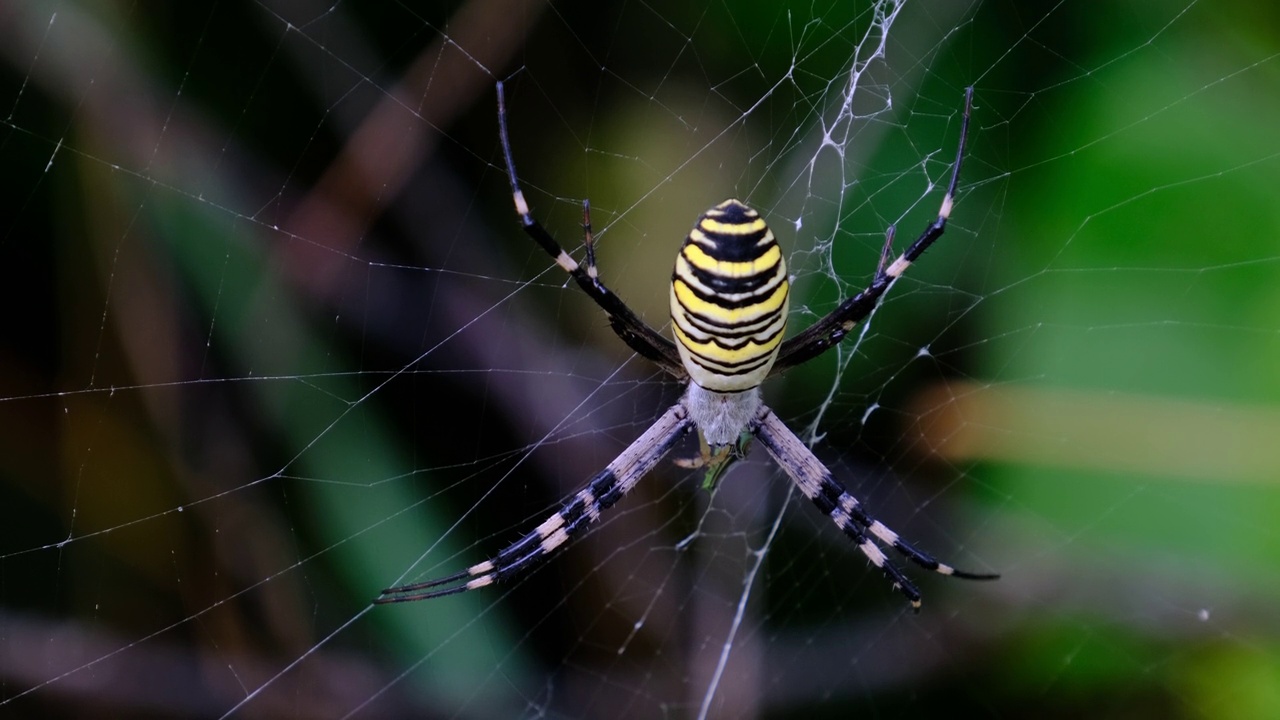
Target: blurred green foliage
[{"x": 243, "y": 425}]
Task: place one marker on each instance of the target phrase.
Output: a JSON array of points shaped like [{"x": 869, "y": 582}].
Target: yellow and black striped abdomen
[{"x": 729, "y": 299}]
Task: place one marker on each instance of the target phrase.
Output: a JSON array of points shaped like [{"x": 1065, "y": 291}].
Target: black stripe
[
  {"x": 519, "y": 547},
  {"x": 720, "y": 301},
  {"x": 719, "y": 340},
  {"x": 719, "y": 368},
  {"x": 604, "y": 488},
  {"x": 733, "y": 248},
  {"x": 735, "y": 284},
  {"x": 713, "y": 322},
  {"x": 828, "y": 497},
  {"x": 711, "y": 327},
  {"x": 732, "y": 212}
]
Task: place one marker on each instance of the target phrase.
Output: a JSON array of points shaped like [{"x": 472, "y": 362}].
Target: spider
[{"x": 728, "y": 312}]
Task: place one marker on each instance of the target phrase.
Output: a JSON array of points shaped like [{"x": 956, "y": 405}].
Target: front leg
[{"x": 626, "y": 324}]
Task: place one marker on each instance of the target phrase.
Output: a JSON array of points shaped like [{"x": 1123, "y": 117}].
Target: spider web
[{"x": 274, "y": 341}]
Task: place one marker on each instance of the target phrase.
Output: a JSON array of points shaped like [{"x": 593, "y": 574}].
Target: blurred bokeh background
[{"x": 272, "y": 340}]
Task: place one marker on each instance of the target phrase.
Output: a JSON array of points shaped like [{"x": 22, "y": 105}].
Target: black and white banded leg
[
  {"x": 815, "y": 481},
  {"x": 582, "y": 509}
]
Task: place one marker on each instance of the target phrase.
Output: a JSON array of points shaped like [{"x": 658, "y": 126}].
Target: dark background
[{"x": 272, "y": 341}]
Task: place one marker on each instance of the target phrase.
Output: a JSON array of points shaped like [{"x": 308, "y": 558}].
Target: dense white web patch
[{"x": 274, "y": 341}]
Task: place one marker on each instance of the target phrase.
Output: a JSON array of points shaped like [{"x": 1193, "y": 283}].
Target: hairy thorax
[{"x": 721, "y": 417}]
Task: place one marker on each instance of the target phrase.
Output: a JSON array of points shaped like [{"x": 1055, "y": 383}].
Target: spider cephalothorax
[{"x": 729, "y": 293}]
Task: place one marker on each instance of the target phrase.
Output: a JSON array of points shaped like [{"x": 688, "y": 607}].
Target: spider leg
[
  {"x": 580, "y": 510},
  {"x": 889, "y": 232},
  {"x": 830, "y": 330},
  {"x": 815, "y": 481},
  {"x": 646, "y": 341}
]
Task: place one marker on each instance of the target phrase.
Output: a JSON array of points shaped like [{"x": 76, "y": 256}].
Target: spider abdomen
[{"x": 729, "y": 299}]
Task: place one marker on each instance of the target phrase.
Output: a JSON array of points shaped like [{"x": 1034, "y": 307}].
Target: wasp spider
[{"x": 728, "y": 311}]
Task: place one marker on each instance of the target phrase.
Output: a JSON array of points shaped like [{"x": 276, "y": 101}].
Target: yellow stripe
[
  {"x": 727, "y": 356},
  {"x": 697, "y": 326},
  {"x": 698, "y": 258},
  {"x": 717, "y": 227},
  {"x": 692, "y": 304}
]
